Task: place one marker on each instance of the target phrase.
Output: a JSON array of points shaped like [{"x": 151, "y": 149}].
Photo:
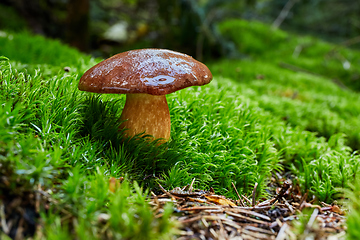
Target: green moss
[
  {"x": 252, "y": 38},
  {"x": 310, "y": 102},
  {"x": 258, "y": 41},
  {"x": 33, "y": 51},
  {"x": 353, "y": 219}
]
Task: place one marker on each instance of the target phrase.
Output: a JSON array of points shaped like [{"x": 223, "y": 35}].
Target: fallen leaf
[
  {"x": 220, "y": 200},
  {"x": 114, "y": 183}
]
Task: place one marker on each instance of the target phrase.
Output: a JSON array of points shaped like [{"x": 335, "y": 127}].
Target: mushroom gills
[{"x": 146, "y": 113}]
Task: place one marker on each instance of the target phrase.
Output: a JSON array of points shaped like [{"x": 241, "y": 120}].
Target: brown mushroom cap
[{"x": 151, "y": 71}]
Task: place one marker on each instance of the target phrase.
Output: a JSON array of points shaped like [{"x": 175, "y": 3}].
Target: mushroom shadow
[{"x": 144, "y": 160}]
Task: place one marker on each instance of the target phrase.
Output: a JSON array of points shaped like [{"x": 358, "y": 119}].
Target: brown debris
[
  {"x": 19, "y": 214},
  {"x": 114, "y": 183},
  {"x": 205, "y": 215}
]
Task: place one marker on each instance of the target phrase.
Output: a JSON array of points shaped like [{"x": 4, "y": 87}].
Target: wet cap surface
[{"x": 152, "y": 71}]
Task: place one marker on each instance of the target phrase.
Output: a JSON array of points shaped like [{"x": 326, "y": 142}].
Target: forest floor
[{"x": 267, "y": 150}]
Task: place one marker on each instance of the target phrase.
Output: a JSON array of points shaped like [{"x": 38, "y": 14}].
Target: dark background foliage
[{"x": 106, "y": 27}]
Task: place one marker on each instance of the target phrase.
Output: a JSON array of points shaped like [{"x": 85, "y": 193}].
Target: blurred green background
[{"x": 106, "y": 27}]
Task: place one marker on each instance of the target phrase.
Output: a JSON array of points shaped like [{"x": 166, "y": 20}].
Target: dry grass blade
[
  {"x": 191, "y": 185},
  {"x": 253, "y": 213},
  {"x": 254, "y": 195},
  {"x": 249, "y": 219},
  {"x": 237, "y": 193},
  {"x": 282, "y": 233},
  {"x": 4, "y": 226}
]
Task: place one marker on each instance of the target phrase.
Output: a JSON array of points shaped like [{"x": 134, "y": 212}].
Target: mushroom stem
[{"x": 145, "y": 112}]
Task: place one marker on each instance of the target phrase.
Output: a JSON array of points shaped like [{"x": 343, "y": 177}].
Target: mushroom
[{"x": 145, "y": 76}]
